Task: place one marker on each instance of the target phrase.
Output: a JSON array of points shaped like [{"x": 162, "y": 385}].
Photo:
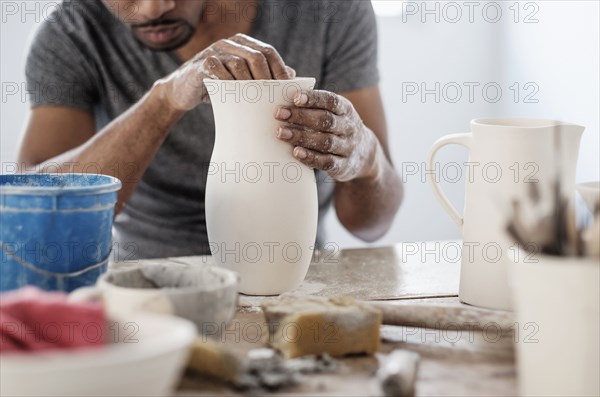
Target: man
[{"x": 117, "y": 89}]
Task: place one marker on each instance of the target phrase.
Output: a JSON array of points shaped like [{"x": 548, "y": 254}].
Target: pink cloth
[{"x": 32, "y": 319}]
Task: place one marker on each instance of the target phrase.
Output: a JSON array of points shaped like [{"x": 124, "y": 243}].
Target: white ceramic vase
[{"x": 261, "y": 203}]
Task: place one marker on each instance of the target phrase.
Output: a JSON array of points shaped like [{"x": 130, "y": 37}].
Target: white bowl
[{"x": 147, "y": 357}]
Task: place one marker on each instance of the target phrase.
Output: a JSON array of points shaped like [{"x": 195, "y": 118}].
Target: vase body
[{"x": 261, "y": 203}]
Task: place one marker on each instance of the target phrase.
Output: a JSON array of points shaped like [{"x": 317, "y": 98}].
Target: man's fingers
[
  {"x": 237, "y": 67},
  {"x": 256, "y": 61},
  {"x": 210, "y": 67},
  {"x": 325, "y": 162},
  {"x": 276, "y": 65},
  {"x": 318, "y": 99},
  {"x": 320, "y": 141},
  {"x": 313, "y": 119},
  {"x": 214, "y": 68},
  {"x": 291, "y": 72},
  {"x": 246, "y": 58}
]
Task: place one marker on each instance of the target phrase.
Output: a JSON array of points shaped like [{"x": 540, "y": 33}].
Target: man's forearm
[
  {"x": 125, "y": 147},
  {"x": 366, "y": 206}
]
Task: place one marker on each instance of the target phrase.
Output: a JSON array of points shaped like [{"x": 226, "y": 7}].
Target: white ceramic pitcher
[
  {"x": 261, "y": 203},
  {"x": 506, "y": 155}
]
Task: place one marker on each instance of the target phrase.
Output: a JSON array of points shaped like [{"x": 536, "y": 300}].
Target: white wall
[
  {"x": 559, "y": 54},
  {"x": 15, "y": 31},
  {"x": 415, "y": 52}
]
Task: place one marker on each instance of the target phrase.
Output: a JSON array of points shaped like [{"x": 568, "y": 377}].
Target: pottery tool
[
  {"x": 260, "y": 369},
  {"x": 552, "y": 230},
  {"x": 214, "y": 360},
  {"x": 316, "y": 325},
  {"x": 397, "y": 373},
  {"x": 440, "y": 316},
  {"x": 591, "y": 235},
  {"x": 267, "y": 369}
]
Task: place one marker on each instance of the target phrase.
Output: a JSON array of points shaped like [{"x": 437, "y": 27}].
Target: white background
[{"x": 557, "y": 52}]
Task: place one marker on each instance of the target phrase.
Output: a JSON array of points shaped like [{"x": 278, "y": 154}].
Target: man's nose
[{"x": 154, "y": 9}]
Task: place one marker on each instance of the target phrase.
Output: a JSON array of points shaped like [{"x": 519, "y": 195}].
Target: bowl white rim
[{"x": 183, "y": 333}]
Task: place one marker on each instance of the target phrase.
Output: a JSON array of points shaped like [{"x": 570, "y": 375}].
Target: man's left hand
[{"x": 328, "y": 134}]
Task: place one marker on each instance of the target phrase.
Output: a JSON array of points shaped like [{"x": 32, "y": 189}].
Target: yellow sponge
[{"x": 315, "y": 325}]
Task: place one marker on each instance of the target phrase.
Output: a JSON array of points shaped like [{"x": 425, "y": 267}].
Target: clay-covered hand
[
  {"x": 240, "y": 57},
  {"x": 328, "y": 134}
]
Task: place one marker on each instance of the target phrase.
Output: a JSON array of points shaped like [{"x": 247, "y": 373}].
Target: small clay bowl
[{"x": 205, "y": 294}]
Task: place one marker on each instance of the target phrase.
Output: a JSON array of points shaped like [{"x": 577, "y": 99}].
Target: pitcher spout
[
  {"x": 574, "y": 129},
  {"x": 569, "y": 136}
]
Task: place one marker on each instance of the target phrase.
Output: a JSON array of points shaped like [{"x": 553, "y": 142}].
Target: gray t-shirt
[{"x": 85, "y": 58}]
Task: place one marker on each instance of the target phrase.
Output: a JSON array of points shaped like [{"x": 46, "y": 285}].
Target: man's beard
[{"x": 182, "y": 29}]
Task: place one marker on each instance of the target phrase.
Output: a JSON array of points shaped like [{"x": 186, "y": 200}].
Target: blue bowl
[{"x": 55, "y": 229}]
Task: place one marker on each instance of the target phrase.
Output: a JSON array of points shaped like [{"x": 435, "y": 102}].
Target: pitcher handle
[{"x": 458, "y": 139}]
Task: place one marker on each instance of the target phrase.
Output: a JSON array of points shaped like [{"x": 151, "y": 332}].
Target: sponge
[{"x": 315, "y": 325}]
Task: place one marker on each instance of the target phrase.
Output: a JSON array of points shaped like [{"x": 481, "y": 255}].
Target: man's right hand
[{"x": 238, "y": 58}]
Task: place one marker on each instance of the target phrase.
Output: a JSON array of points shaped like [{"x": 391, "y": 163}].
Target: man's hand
[
  {"x": 238, "y": 58},
  {"x": 328, "y": 134}
]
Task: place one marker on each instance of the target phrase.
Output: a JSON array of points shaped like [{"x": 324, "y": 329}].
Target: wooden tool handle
[{"x": 443, "y": 316}]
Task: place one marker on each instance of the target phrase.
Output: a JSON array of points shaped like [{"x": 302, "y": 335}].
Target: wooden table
[{"x": 453, "y": 362}]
